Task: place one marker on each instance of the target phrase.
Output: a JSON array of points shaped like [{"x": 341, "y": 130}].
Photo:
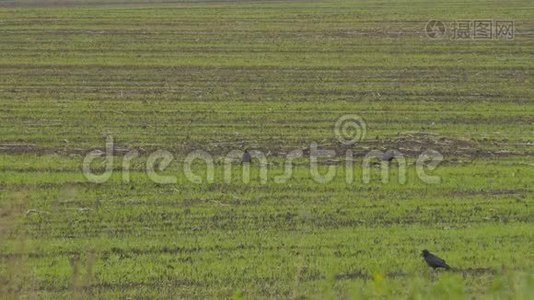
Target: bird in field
[
  {"x": 388, "y": 156},
  {"x": 245, "y": 158},
  {"x": 433, "y": 261}
]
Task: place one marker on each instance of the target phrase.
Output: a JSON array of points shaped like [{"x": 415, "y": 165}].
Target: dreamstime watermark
[
  {"x": 348, "y": 130},
  {"x": 478, "y": 30}
]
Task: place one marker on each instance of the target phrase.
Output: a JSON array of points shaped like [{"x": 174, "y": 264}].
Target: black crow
[
  {"x": 434, "y": 261},
  {"x": 245, "y": 158},
  {"x": 386, "y": 156},
  {"x": 389, "y": 155}
]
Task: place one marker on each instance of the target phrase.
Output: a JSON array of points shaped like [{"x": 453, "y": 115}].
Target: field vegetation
[{"x": 272, "y": 76}]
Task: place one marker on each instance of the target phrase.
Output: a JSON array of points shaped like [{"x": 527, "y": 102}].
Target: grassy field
[{"x": 272, "y": 76}]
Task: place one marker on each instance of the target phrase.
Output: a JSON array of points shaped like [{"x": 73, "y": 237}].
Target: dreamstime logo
[{"x": 348, "y": 129}]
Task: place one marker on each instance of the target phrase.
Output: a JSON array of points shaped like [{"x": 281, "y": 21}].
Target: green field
[{"x": 270, "y": 76}]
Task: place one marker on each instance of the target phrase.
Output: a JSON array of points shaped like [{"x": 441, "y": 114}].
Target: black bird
[
  {"x": 434, "y": 261},
  {"x": 389, "y": 155},
  {"x": 245, "y": 158}
]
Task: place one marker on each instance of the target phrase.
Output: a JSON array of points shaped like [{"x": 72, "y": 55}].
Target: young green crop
[{"x": 275, "y": 77}]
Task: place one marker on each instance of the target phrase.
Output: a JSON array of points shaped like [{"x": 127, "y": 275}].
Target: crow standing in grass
[
  {"x": 388, "y": 156},
  {"x": 246, "y": 157},
  {"x": 434, "y": 261}
]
